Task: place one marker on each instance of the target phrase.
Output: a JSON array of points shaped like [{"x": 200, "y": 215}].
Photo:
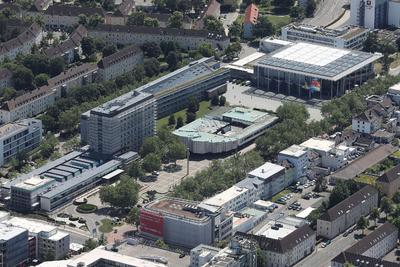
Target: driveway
[{"x": 327, "y": 11}]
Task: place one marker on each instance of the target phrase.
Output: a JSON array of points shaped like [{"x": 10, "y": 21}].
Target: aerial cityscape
[{"x": 201, "y": 133}]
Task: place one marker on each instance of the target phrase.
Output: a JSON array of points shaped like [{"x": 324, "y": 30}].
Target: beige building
[
  {"x": 69, "y": 48},
  {"x": 39, "y": 100},
  {"x": 64, "y": 16},
  {"x": 120, "y": 62},
  {"x": 138, "y": 35},
  {"x": 346, "y": 213},
  {"x": 285, "y": 250},
  {"x": 389, "y": 182},
  {"x": 22, "y": 44}
]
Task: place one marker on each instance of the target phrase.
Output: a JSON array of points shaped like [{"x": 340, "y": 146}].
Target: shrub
[{"x": 86, "y": 208}]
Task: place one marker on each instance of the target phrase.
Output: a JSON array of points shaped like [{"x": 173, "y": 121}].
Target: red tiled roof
[{"x": 251, "y": 14}]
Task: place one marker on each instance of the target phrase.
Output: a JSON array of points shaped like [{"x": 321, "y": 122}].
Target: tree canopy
[{"x": 122, "y": 195}]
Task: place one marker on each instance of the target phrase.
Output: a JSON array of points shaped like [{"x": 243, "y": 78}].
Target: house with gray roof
[
  {"x": 370, "y": 250},
  {"x": 340, "y": 217},
  {"x": 390, "y": 181}
]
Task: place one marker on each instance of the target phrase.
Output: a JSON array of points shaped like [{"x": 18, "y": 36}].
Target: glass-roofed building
[{"x": 313, "y": 71}]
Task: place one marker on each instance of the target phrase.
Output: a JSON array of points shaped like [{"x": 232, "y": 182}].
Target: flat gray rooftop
[{"x": 317, "y": 60}]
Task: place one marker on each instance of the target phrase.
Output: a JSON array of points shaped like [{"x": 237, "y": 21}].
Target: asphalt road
[
  {"x": 322, "y": 257},
  {"x": 327, "y": 11}
]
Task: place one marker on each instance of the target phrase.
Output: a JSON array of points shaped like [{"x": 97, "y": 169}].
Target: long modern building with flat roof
[
  {"x": 193, "y": 80},
  {"x": 349, "y": 37},
  {"x": 224, "y": 132},
  {"x": 313, "y": 71},
  {"x": 18, "y": 137}
]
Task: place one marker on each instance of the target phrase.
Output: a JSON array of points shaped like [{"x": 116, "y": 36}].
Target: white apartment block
[
  {"x": 349, "y": 37},
  {"x": 298, "y": 157},
  {"x": 346, "y": 213},
  {"x": 138, "y": 35},
  {"x": 233, "y": 199},
  {"x": 22, "y": 136},
  {"x": 48, "y": 240},
  {"x": 120, "y": 63},
  {"x": 331, "y": 156},
  {"x": 367, "y": 122},
  {"x": 120, "y": 124}
]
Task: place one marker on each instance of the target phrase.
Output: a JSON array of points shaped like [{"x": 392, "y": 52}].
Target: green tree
[
  {"x": 151, "y": 67},
  {"x": 90, "y": 244},
  {"x": 68, "y": 120},
  {"x": 108, "y": 5},
  {"x": 151, "y": 145},
  {"x": 150, "y": 22},
  {"x": 109, "y": 50},
  {"x": 151, "y": 162},
  {"x": 136, "y": 18},
  {"x": 56, "y": 66},
  {"x": 171, "y": 120},
  {"x": 95, "y": 20},
  {"x": 41, "y": 79},
  {"x": 123, "y": 195},
  {"x": 296, "y": 12},
  {"x": 235, "y": 29},
  {"x": 179, "y": 122},
  {"x": 135, "y": 170},
  {"x": 88, "y": 46},
  {"x": 190, "y": 116},
  {"x": 22, "y": 78},
  {"x": 213, "y": 24},
  {"x": 175, "y": 20},
  {"x": 386, "y": 205},
  {"x": 37, "y": 63},
  {"x": 396, "y": 197},
  {"x": 172, "y": 60},
  {"x": 263, "y": 27},
  {"x": 151, "y": 49},
  {"x": 362, "y": 224},
  {"x": 206, "y": 50},
  {"x": 375, "y": 215},
  {"x": 161, "y": 244},
  {"x": 176, "y": 150},
  {"x": 134, "y": 217},
  {"x": 83, "y": 20},
  {"x": 193, "y": 104},
  {"x": 339, "y": 193}
]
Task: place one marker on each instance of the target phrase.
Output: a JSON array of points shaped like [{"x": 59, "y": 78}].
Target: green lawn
[
  {"x": 280, "y": 194},
  {"x": 366, "y": 179},
  {"x": 203, "y": 110},
  {"x": 279, "y": 21},
  {"x": 106, "y": 226},
  {"x": 396, "y": 154}
]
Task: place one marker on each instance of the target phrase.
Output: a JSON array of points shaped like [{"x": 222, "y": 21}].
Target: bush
[{"x": 86, "y": 208}]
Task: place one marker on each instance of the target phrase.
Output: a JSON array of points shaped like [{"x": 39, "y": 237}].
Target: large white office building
[
  {"x": 349, "y": 37},
  {"x": 19, "y": 137},
  {"x": 375, "y": 14},
  {"x": 120, "y": 124},
  {"x": 298, "y": 157}
]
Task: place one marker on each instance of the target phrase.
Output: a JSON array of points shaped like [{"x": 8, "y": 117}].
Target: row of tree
[{"x": 219, "y": 176}]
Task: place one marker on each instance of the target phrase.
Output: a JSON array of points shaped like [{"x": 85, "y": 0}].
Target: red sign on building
[{"x": 151, "y": 223}]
